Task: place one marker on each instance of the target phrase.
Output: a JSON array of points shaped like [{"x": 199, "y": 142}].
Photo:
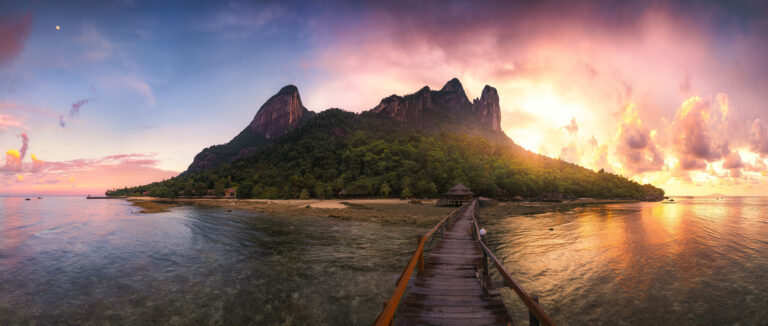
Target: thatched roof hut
[
  {"x": 459, "y": 190},
  {"x": 456, "y": 196}
]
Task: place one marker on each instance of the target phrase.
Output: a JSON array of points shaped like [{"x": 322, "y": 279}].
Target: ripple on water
[{"x": 643, "y": 263}]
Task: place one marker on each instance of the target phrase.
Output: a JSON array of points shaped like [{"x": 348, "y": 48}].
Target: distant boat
[
  {"x": 39, "y": 197},
  {"x": 27, "y": 199}
]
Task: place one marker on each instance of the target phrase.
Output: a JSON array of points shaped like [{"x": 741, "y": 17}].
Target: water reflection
[
  {"x": 698, "y": 261},
  {"x": 76, "y": 261}
]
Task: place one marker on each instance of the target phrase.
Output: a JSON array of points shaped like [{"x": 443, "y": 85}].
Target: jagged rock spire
[
  {"x": 487, "y": 108},
  {"x": 280, "y": 114}
]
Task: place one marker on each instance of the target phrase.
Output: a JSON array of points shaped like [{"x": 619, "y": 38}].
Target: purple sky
[{"x": 127, "y": 92}]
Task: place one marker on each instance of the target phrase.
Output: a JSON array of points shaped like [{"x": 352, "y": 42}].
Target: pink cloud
[
  {"x": 570, "y": 153},
  {"x": 572, "y": 127},
  {"x": 758, "y": 136},
  {"x": 733, "y": 161},
  {"x": 9, "y": 121},
  {"x": 89, "y": 176},
  {"x": 691, "y": 163},
  {"x": 634, "y": 146},
  {"x": 14, "y": 31},
  {"x": 24, "y": 145},
  {"x": 74, "y": 110},
  {"x": 696, "y": 130}
]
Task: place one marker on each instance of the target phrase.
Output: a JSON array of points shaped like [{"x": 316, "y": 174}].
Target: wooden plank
[{"x": 448, "y": 291}]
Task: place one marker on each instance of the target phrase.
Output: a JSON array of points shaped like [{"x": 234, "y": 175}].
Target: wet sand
[{"x": 394, "y": 211}]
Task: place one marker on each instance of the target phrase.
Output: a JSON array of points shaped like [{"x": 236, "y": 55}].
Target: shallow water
[
  {"x": 695, "y": 262},
  {"x": 83, "y": 261},
  {"x": 77, "y": 261}
]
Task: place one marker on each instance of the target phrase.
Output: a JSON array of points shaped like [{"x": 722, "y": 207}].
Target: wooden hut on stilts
[{"x": 456, "y": 196}]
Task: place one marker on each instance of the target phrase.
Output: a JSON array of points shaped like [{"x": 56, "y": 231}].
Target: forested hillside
[{"x": 374, "y": 155}]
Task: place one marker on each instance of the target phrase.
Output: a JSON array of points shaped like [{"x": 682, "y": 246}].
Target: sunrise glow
[{"x": 654, "y": 98}]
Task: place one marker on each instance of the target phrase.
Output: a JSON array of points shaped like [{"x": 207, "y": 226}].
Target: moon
[{"x": 58, "y": 27}]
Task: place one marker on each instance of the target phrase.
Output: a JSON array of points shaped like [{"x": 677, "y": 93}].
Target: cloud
[
  {"x": 37, "y": 164},
  {"x": 14, "y": 157},
  {"x": 24, "y": 145},
  {"x": 688, "y": 163},
  {"x": 95, "y": 46},
  {"x": 758, "y": 136},
  {"x": 733, "y": 161},
  {"x": 242, "y": 19},
  {"x": 593, "y": 141},
  {"x": 14, "y": 31},
  {"x": 12, "y": 160},
  {"x": 74, "y": 110},
  {"x": 8, "y": 121},
  {"x": 572, "y": 127},
  {"x": 685, "y": 87},
  {"x": 139, "y": 87},
  {"x": 634, "y": 145},
  {"x": 92, "y": 175},
  {"x": 570, "y": 153},
  {"x": 47, "y": 181},
  {"x": 697, "y": 127},
  {"x": 130, "y": 89},
  {"x": 757, "y": 166},
  {"x": 600, "y": 158}
]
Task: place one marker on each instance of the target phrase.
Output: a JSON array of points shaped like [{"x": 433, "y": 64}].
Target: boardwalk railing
[
  {"x": 535, "y": 313},
  {"x": 388, "y": 313}
]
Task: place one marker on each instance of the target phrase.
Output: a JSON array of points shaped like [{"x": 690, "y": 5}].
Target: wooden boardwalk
[
  {"x": 452, "y": 286},
  {"x": 450, "y": 289}
]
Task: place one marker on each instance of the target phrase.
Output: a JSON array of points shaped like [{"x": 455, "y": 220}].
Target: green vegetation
[{"x": 375, "y": 156}]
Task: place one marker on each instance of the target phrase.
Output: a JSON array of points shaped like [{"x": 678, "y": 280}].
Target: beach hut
[
  {"x": 343, "y": 193},
  {"x": 230, "y": 192},
  {"x": 456, "y": 196}
]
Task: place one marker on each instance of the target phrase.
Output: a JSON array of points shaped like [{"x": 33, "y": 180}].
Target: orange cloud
[{"x": 634, "y": 145}]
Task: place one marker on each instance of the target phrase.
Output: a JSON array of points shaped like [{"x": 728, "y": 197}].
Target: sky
[{"x": 97, "y": 95}]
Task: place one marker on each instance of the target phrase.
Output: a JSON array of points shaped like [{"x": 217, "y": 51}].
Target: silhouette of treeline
[{"x": 376, "y": 156}]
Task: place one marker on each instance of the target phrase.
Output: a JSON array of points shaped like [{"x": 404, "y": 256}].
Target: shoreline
[{"x": 386, "y": 211}]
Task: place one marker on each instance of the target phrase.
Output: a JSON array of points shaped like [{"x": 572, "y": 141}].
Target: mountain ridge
[
  {"x": 284, "y": 111},
  {"x": 280, "y": 114},
  {"x": 419, "y": 144}
]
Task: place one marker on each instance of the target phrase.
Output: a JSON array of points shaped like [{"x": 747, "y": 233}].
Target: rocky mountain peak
[
  {"x": 487, "y": 108},
  {"x": 280, "y": 114},
  {"x": 422, "y": 107},
  {"x": 452, "y": 95},
  {"x": 453, "y": 85}
]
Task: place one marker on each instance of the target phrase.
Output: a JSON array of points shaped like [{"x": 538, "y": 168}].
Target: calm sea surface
[
  {"x": 77, "y": 261},
  {"x": 695, "y": 262}
]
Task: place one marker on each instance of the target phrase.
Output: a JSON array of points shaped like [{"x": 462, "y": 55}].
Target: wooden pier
[{"x": 453, "y": 286}]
